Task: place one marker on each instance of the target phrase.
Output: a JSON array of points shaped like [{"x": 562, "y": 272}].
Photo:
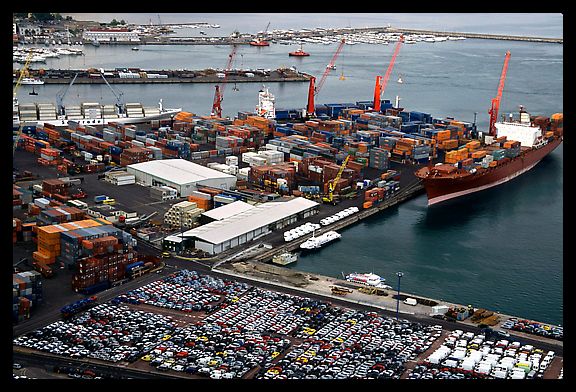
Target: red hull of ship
[{"x": 441, "y": 188}]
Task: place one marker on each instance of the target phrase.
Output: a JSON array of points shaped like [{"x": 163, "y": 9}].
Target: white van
[{"x": 411, "y": 301}]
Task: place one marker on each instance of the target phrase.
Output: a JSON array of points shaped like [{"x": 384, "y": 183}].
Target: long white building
[
  {"x": 180, "y": 174},
  {"x": 245, "y": 226},
  {"x": 111, "y": 35}
]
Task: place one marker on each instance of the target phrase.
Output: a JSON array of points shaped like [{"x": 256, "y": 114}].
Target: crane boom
[
  {"x": 330, "y": 66},
  {"x": 219, "y": 93},
  {"x": 332, "y": 183},
  {"x": 380, "y": 88},
  {"x": 15, "y": 92},
  {"x": 495, "y": 107}
]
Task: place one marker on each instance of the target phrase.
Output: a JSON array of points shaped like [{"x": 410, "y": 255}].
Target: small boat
[
  {"x": 400, "y": 79},
  {"x": 135, "y": 48},
  {"x": 299, "y": 53},
  {"x": 285, "y": 258},
  {"x": 331, "y": 66},
  {"x": 259, "y": 42},
  {"x": 31, "y": 81}
]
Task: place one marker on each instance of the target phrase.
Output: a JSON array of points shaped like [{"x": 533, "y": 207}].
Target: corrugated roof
[
  {"x": 247, "y": 221},
  {"x": 178, "y": 171},
  {"x": 228, "y": 210}
]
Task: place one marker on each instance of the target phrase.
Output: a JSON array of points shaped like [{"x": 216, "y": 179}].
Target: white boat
[
  {"x": 285, "y": 258},
  {"x": 317, "y": 242},
  {"x": 31, "y": 81},
  {"x": 400, "y": 79},
  {"x": 368, "y": 279},
  {"x": 331, "y": 66}
]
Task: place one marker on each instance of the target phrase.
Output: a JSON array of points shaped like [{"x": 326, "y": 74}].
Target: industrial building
[
  {"x": 180, "y": 174},
  {"x": 245, "y": 226},
  {"x": 224, "y": 212}
]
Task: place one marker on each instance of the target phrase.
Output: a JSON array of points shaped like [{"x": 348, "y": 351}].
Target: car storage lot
[{"x": 199, "y": 326}]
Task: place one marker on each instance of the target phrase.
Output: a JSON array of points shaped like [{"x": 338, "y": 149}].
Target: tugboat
[
  {"x": 259, "y": 42},
  {"x": 299, "y": 53},
  {"x": 285, "y": 258}
]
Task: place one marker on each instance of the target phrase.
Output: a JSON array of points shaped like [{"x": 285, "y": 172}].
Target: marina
[{"x": 357, "y": 166}]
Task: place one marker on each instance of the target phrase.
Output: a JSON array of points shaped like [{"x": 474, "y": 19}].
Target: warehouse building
[
  {"x": 224, "y": 212},
  {"x": 253, "y": 223},
  {"x": 180, "y": 174}
]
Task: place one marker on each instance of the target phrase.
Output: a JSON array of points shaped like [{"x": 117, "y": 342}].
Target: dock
[{"x": 57, "y": 76}]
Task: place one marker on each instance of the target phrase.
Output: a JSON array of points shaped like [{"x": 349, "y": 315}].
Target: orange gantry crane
[
  {"x": 381, "y": 84},
  {"x": 496, "y": 101},
  {"x": 219, "y": 93},
  {"x": 314, "y": 90}
]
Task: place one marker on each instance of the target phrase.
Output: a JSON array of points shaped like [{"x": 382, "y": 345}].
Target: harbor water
[{"x": 500, "y": 249}]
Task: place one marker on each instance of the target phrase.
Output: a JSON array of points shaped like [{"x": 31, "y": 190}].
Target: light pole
[{"x": 399, "y": 274}]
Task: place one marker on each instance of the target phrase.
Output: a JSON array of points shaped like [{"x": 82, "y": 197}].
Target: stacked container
[
  {"x": 26, "y": 292},
  {"x": 183, "y": 214},
  {"x": 379, "y": 158}
]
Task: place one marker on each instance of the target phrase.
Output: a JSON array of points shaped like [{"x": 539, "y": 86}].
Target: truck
[
  {"x": 100, "y": 198},
  {"x": 78, "y": 306},
  {"x": 46, "y": 271}
]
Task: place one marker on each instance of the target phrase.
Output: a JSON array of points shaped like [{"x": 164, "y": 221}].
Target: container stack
[
  {"x": 53, "y": 186},
  {"x": 49, "y": 245},
  {"x": 120, "y": 178},
  {"x": 379, "y": 159},
  {"x": 133, "y": 155},
  {"x": 56, "y": 215},
  {"x": 268, "y": 176},
  {"x": 183, "y": 214},
  {"x": 26, "y": 293},
  {"x": 512, "y": 148},
  {"x": 202, "y": 200},
  {"x": 76, "y": 244},
  {"x": 163, "y": 193},
  {"x": 220, "y": 200}
]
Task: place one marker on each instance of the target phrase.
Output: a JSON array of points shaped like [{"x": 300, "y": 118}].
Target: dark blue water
[{"x": 500, "y": 249}]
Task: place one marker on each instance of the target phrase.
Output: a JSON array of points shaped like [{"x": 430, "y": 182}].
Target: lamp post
[{"x": 399, "y": 274}]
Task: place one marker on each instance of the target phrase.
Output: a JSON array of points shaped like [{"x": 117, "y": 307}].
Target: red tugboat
[
  {"x": 259, "y": 42},
  {"x": 299, "y": 53}
]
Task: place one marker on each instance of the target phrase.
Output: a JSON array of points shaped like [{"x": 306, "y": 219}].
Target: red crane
[
  {"x": 496, "y": 101},
  {"x": 219, "y": 93},
  {"x": 314, "y": 90},
  {"x": 381, "y": 85}
]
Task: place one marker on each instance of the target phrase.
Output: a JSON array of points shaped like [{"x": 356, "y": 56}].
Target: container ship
[{"x": 518, "y": 145}]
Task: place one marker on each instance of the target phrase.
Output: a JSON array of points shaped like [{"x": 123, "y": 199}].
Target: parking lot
[{"x": 201, "y": 326}]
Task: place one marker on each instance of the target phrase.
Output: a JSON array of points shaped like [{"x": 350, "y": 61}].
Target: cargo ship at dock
[{"x": 517, "y": 147}]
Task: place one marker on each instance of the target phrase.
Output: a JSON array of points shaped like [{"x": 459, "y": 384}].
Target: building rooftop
[
  {"x": 178, "y": 171},
  {"x": 228, "y": 210},
  {"x": 249, "y": 220}
]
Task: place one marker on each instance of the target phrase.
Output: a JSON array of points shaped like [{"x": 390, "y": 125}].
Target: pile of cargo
[
  {"x": 384, "y": 189},
  {"x": 26, "y": 293},
  {"x": 16, "y": 195},
  {"x": 459, "y": 313},
  {"x": 120, "y": 177},
  {"x": 184, "y": 214},
  {"x": 134, "y": 155},
  {"x": 57, "y": 215},
  {"x": 49, "y": 245},
  {"x": 280, "y": 177},
  {"x": 202, "y": 200}
]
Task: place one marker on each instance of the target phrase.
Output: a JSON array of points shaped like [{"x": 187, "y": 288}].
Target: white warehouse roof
[
  {"x": 247, "y": 221},
  {"x": 178, "y": 171},
  {"x": 228, "y": 210}
]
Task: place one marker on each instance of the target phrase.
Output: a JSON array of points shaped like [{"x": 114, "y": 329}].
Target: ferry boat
[
  {"x": 285, "y": 258},
  {"x": 318, "y": 242},
  {"x": 368, "y": 279},
  {"x": 31, "y": 81}
]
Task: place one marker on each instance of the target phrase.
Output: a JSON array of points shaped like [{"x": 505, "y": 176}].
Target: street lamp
[{"x": 399, "y": 274}]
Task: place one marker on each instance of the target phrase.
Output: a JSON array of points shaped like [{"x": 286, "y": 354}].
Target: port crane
[
  {"x": 314, "y": 90},
  {"x": 332, "y": 184},
  {"x": 495, "y": 107},
  {"x": 381, "y": 84},
  {"x": 219, "y": 93},
  {"x": 23, "y": 71}
]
